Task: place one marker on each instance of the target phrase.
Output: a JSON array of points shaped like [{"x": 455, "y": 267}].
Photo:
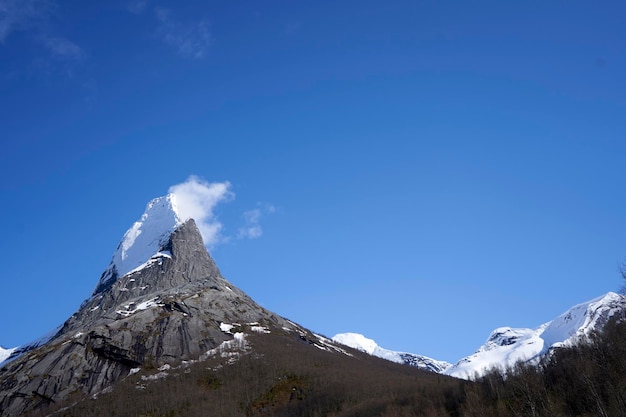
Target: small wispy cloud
[
  {"x": 252, "y": 218},
  {"x": 16, "y": 15},
  {"x": 63, "y": 48},
  {"x": 191, "y": 40},
  {"x": 36, "y": 18},
  {"x": 137, "y": 6},
  {"x": 293, "y": 27},
  {"x": 197, "y": 199},
  {"x": 252, "y": 229}
]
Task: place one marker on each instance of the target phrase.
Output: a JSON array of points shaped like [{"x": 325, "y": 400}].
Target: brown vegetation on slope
[{"x": 282, "y": 375}]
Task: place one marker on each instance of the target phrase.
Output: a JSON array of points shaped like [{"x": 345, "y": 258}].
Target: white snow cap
[
  {"x": 369, "y": 346},
  {"x": 356, "y": 341},
  {"x": 194, "y": 199},
  {"x": 582, "y": 319},
  {"x": 148, "y": 234}
]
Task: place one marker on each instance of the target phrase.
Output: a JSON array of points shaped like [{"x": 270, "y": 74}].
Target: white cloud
[
  {"x": 197, "y": 199},
  {"x": 292, "y": 28},
  {"x": 252, "y": 228},
  {"x": 63, "y": 48},
  {"x": 191, "y": 40},
  {"x": 21, "y": 15},
  {"x": 137, "y": 6},
  {"x": 37, "y": 19}
]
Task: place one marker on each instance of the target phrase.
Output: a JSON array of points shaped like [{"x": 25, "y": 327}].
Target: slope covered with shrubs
[{"x": 284, "y": 375}]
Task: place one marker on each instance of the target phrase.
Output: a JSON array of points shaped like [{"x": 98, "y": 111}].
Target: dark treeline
[{"x": 286, "y": 376}]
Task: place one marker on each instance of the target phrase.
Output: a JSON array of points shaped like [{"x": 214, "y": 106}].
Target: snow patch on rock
[
  {"x": 5, "y": 353},
  {"x": 132, "y": 308}
]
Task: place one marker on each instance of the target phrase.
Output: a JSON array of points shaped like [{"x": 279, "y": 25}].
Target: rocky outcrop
[{"x": 166, "y": 311}]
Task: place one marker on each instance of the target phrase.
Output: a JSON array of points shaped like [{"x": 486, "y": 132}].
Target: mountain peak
[
  {"x": 180, "y": 259},
  {"x": 162, "y": 301},
  {"x": 143, "y": 240},
  {"x": 505, "y": 336},
  {"x": 581, "y": 319},
  {"x": 357, "y": 341}
]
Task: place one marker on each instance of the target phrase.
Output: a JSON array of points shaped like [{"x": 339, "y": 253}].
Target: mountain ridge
[
  {"x": 369, "y": 346},
  {"x": 506, "y": 345}
]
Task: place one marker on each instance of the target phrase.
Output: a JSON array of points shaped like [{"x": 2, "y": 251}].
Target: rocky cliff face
[{"x": 167, "y": 311}]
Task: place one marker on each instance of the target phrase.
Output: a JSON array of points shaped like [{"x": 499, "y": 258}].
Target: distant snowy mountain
[
  {"x": 362, "y": 343},
  {"x": 506, "y": 346}
]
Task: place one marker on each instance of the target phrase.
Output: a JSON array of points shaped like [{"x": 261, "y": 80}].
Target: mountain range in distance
[
  {"x": 506, "y": 346},
  {"x": 162, "y": 304}
]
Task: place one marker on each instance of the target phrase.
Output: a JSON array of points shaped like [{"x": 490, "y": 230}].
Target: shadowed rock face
[{"x": 168, "y": 311}]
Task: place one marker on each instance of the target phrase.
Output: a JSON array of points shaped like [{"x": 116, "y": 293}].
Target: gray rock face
[
  {"x": 423, "y": 362},
  {"x": 166, "y": 312}
]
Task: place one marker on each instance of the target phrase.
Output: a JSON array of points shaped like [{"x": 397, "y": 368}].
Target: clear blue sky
[{"x": 437, "y": 168}]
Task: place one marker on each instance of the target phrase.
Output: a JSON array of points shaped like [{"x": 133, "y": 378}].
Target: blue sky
[{"x": 421, "y": 172}]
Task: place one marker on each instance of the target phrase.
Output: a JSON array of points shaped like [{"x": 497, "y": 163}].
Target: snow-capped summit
[
  {"x": 144, "y": 240},
  {"x": 369, "y": 346},
  {"x": 359, "y": 342},
  {"x": 506, "y": 346},
  {"x": 582, "y": 319}
]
